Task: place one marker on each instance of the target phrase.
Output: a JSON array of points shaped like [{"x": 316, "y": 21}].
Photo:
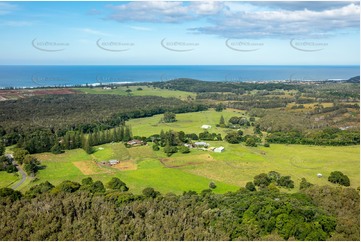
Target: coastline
[{"x": 35, "y": 76}]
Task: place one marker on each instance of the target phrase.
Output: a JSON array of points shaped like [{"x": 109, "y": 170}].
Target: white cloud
[
  {"x": 164, "y": 12},
  {"x": 6, "y": 8},
  {"x": 140, "y": 28},
  {"x": 169, "y": 12},
  {"x": 283, "y": 23},
  {"x": 207, "y": 8},
  {"x": 16, "y": 23},
  {"x": 246, "y": 19}
]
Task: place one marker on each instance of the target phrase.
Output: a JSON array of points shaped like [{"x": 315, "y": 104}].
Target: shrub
[
  {"x": 285, "y": 181},
  {"x": 262, "y": 180},
  {"x": 98, "y": 186},
  {"x": 251, "y": 141},
  {"x": 10, "y": 194},
  {"x": 339, "y": 178},
  {"x": 169, "y": 117},
  {"x": 116, "y": 184},
  {"x": 212, "y": 185},
  {"x": 305, "y": 184},
  {"x": 250, "y": 186},
  {"x": 150, "y": 192},
  {"x": 233, "y": 138},
  {"x": 39, "y": 189},
  {"x": 155, "y": 147},
  {"x": 169, "y": 150},
  {"x": 87, "y": 181},
  {"x": 67, "y": 186},
  {"x": 184, "y": 150}
]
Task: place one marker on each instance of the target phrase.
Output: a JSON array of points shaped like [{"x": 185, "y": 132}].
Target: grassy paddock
[
  {"x": 76, "y": 165},
  {"x": 229, "y": 170},
  {"x": 194, "y": 171},
  {"x": 8, "y": 179},
  {"x": 187, "y": 122},
  {"x": 239, "y": 164}
]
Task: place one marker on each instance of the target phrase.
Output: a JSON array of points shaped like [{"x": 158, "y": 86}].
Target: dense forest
[
  {"x": 79, "y": 110},
  {"x": 87, "y": 211},
  {"x": 328, "y": 89},
  {"x": 57, "y": 114}
]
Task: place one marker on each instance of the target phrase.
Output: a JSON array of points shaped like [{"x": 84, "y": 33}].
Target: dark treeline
[
  {"x": 191, "y": 85},
  {"x": 87, "y": 211},
  {"x": 243, "y": 95},
  {"x": 43, "y": 141},
  {"x": 324, "y": 89},
  {"x": 55, "y": 115},
  {"x": 247, "y": 102},
  {"x": 327, "y": 136}
]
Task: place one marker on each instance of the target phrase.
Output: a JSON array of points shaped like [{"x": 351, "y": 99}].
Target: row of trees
[
  {"x": 44, "y": 141},
  {"x": 327, "y": 136}
]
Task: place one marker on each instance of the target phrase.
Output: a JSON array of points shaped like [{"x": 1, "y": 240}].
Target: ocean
[{"x": 39, "y": 76}]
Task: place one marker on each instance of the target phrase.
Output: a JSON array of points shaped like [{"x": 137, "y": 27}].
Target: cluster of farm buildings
[{"x": 201, "y": 145}]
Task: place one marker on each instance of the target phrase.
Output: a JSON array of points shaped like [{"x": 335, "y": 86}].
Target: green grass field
[
  {"x": 147, "y": 91},
  {"x": 229, "y": 170},
  {"x": 142, "y": 167},
  {"x": 149, "y": 172},
  {"x": 239, "y": 164},
  {"x": 8, "y": 179},
  {"x": 187, "y": 122}
]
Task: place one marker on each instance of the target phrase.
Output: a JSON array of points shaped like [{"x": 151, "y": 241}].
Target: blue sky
[{"x": 180, "y": 33}]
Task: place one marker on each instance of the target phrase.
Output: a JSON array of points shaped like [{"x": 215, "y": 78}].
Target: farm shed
[
  {"x": 188, "y": 145},
  {"x": 113, "y": 162},
  {"x": 206, "y": 126},
  {"x": 219, "y": 149},
  {"x": 135, "y": 142},
  {"x": 201, "y": 143}
]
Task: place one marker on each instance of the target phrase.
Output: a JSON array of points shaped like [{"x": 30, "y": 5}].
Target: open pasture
[
  {"x": 141, "y": 167},
  {"x": 186, "y": 122}
]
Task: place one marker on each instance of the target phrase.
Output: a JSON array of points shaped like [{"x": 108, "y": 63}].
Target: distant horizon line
[{"x": 354, "y": 65}]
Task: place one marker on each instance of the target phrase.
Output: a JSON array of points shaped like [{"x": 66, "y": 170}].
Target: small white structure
[
  {"x": 201, "y": 143},
  {"x": 206, "y": 126},
  {"x": 113, "y": 162},
  {"x": 10, "y": 157},
  {"x": 319, "y": 175},
  {"x": 219, "y": 149}
]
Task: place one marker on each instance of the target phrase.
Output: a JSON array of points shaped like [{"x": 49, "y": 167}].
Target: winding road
[{"x": 23, "y": 178}]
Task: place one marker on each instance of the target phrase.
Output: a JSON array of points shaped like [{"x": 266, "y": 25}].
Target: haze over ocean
[{"x": 36, "y": 76}]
